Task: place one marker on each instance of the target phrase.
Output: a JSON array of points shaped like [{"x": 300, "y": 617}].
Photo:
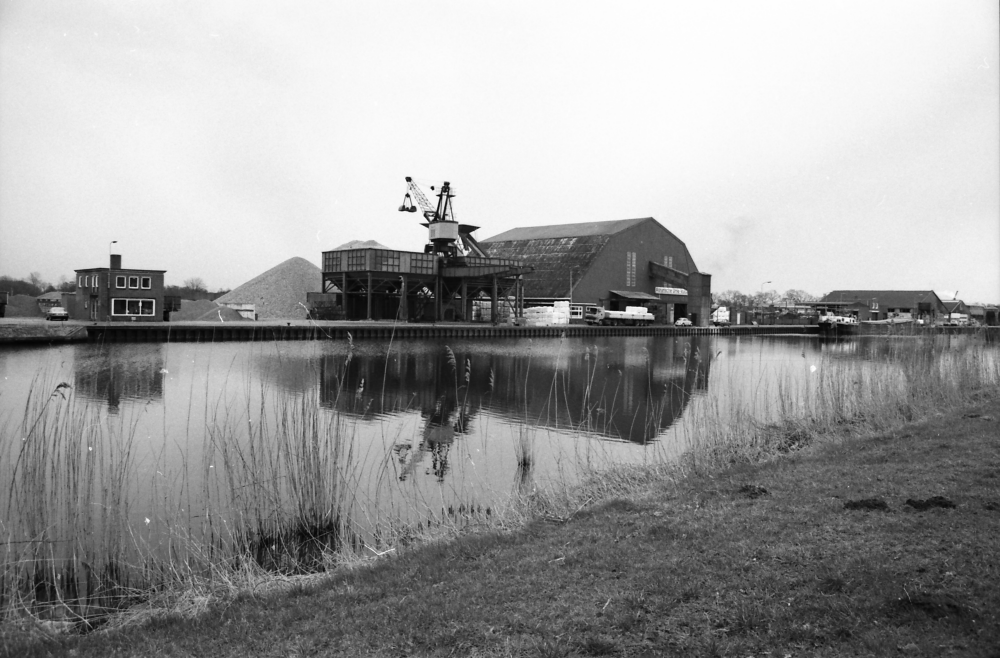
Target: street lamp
[
  {"x": 760, "y": 301},
  {"x": 111, "y": 243}
]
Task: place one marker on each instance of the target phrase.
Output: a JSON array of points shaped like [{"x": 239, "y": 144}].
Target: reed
[{"x": 275, "y": 488}]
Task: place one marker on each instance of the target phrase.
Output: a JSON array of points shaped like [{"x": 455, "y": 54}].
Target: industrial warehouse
[{"x": 611, "y": 265}]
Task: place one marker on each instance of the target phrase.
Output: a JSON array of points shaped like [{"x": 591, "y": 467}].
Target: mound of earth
[
  {"x": 280, "y": 292},
  {"x": 23, "y": 306},
  {"x": 361, "y": 244}
]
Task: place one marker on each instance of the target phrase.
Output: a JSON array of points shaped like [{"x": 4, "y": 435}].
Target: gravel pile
[
  {"x": 361, "y": 244},
  {"x": 280, "y": 292}
]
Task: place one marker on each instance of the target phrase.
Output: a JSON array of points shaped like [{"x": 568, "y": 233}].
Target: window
[
  {"x": 630, "y": 268},
  {"x": 119, "y": 282},
  {"x": 133, "y": 282},
  {"x": 147, "y": 282},
  {"x": 79, "y": 281},
  {"x": 127, "y": 307},
  {"x": 385, "y": 261},
  {"x": 357, "y": 260}
]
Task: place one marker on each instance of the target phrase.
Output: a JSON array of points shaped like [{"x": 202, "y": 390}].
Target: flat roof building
[{"x": 116, "y": 294}]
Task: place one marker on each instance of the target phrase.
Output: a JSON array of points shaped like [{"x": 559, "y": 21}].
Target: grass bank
[{"x": 846, "y": 541}]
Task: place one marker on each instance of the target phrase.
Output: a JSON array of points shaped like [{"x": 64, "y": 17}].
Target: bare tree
[
  {"x": 195, "y": 283},
  {"x": 36, "y": 280},
  {"x": 65, "y": 285},
  {"x": 797, "y": 296},
  {"x": 732, "y": 298}
]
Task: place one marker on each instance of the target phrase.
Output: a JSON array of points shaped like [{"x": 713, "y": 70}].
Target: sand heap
[
  {"x": 280, "y": 292},
  {"x": 361, "y": 244}
]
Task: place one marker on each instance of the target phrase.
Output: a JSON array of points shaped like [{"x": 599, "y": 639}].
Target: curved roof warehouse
[{"x": 613, "y": 264}]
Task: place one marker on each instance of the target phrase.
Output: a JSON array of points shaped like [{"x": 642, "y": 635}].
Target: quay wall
[
  {"x": 20, "y": 331},
  {"x": 178, "y": 332},
  {"x": 39, "y": 332}
]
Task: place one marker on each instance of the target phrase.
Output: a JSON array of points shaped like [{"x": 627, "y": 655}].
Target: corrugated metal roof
[
  {"x": 552, "y": 259},
  {"x": 556, "y": 231}
]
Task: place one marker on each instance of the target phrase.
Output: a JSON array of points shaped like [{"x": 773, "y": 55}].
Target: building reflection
[
  {"x": 631, "y": 393},
  {"x": 113, "y": 376}
]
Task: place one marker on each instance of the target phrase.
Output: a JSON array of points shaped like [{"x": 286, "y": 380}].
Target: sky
[{"x": 807, "y": 144}]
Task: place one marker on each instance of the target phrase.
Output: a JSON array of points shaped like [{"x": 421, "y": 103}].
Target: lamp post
[{"x": 760, "y": 301}]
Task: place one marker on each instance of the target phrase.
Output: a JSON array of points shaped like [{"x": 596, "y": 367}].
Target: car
[
  {"x": 682, "y": 322},
  {"x": 719, "y": 323},
  {"x": 57, "y": 313}
]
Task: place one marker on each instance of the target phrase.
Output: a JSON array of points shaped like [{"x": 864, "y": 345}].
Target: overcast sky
[{"x": 812, "y": 145}]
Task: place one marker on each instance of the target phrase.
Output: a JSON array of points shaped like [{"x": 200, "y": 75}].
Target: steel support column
[
  {"x": 465, "y": 301},
  {"x": 403, "y": 308},
  {"x": 494, "y": 298},
  {"x": 437, "y": 299}
]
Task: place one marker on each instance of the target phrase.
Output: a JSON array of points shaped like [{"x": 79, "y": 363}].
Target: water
[{"x": 132, "y": 453}]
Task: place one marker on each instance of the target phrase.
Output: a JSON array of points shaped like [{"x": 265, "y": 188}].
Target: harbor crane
[{"x": 445, "y": 235}]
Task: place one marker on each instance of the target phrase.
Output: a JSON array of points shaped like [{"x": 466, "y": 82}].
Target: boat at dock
[{"x": 837, "y": 322}]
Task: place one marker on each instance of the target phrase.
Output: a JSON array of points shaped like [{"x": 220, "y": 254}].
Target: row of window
[
  {"x": 630, "y": 268},
  {"x": 121, "y": 306},
  {"x": 122, "y": 282}
]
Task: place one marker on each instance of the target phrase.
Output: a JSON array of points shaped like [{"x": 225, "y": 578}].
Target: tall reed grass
[
  {"x": 890, "y": 383},
  {"x": 275, "y": 485}
]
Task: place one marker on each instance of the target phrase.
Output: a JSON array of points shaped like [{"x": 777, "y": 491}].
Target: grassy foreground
[{"x": 811, "y": 553}]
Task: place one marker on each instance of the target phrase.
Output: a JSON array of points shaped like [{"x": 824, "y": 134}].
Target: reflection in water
[
  {"x": 279, "y": 452},
  {"x": 131, "y": 373},
  {"x": 630, "y": 392}
]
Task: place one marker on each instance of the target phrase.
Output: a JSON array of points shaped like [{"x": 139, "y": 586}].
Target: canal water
[{"x": 128, "y": 452}]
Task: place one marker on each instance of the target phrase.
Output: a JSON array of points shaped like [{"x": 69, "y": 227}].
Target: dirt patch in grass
[
  {"x": 932, "y": 502},
  {"x": 869, "y": 504},
  {"x": 752, "y": 491}
]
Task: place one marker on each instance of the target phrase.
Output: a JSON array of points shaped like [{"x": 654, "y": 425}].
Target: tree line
[
  {"x": 34, "y": 285},
  {"x": 737, "y": 299}
]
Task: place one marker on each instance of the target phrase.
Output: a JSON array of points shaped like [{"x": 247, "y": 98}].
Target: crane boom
[{"x": 446, "y": 235}]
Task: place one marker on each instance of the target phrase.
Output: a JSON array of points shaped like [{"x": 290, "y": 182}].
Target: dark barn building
[
  {"x": 118, "y": 295},
  {"x": 923, "y": 305},
  {"x": 613, "y": 264}
]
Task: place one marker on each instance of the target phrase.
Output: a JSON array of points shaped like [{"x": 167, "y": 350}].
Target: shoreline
[{"x": 728, "y": 557}]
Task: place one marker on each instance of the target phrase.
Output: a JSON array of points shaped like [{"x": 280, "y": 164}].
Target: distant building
[
  {"x": 958, "y": 311},
  {"x": 922, "y": 305},
  {"x": 52, "y": 299},
  {"x": 115, "y": 294},
  {"x": 612, "y": 264}
]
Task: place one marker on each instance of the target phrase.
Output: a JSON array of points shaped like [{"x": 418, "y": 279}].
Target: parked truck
[
  {"x": 720, "y": 317},
  {"x": 631, "y": 316}
]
